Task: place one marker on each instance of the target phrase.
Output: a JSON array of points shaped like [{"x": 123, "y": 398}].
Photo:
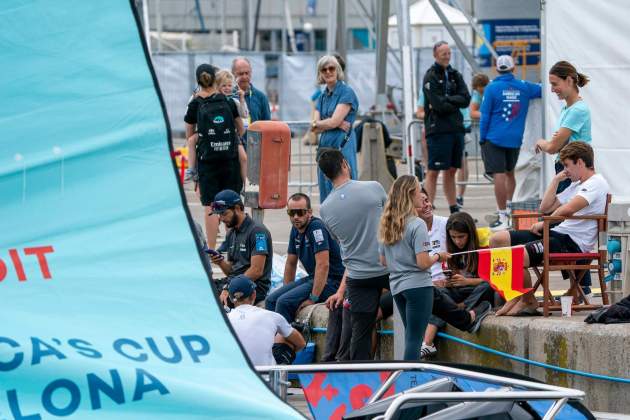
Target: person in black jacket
[{"x": 445, "y": 92}]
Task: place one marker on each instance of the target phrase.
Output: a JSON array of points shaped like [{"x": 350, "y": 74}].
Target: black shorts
[
  {"x": 497, "y": 159},
  {"x": 558, "y": 242},
  {"x": 214, "y": 178},
  {"x": 445, "y": 151}
]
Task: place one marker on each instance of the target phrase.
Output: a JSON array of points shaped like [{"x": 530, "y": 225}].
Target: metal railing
[
  {"x": 277, "y": 376},
  {"x": 303, "y": 168}
]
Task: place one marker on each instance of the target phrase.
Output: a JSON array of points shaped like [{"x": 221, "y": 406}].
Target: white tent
[
  {"x": 427, "y": 28},
  {"x": 601, "y": 53}
]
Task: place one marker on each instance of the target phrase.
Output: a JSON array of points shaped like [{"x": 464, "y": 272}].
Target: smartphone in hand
[{"x": 212, "y": 252}]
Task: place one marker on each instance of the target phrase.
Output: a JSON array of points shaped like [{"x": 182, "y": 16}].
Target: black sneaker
[
  {"x": 481, "y": 311},
  {"x": 460, "y": 201}
]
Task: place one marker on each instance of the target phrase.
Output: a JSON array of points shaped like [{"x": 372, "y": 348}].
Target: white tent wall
[
  {"x": 297, "y": 83},
  {"x": 593, "y": 35}
]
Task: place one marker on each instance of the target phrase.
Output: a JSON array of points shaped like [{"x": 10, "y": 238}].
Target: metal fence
[{"x": 292, "y": 77}]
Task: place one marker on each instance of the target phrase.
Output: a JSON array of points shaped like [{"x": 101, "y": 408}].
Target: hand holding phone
[{"x": 213, "y": 254}]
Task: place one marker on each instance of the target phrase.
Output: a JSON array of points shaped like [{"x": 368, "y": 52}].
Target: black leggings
[{"x": 415, "y": 306}]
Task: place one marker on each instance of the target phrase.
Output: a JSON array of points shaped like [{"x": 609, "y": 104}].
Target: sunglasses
[
  {"x": 220, "y": 206},
  {"x": 329, "y": 69},
  {"x": 297, "y": 212}
]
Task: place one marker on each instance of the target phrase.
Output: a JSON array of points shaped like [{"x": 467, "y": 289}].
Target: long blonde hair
[{"x": 398, "y": 208}]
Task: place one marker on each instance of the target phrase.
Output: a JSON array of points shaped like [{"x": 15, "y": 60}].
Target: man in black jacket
[{"x": 445, "y": 93}]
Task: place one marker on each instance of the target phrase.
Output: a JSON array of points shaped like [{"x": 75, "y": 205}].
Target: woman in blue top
[
  {"x": 335, "y": 113},
  {"x": 575, "y": 117}
]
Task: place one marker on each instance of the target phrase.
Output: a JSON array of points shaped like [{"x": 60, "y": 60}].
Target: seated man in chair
[{"x": 586, "y": 195}]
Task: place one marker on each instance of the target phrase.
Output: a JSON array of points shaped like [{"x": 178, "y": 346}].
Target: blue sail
[{"x": 105, "y": 305}]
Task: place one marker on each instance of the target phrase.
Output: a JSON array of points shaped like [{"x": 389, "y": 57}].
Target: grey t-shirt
[
  {"x": 404, "y": 272},
  {"x": 352, "y": 213}
]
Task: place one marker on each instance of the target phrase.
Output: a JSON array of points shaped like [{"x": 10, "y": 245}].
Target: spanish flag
[{"x": 503, "y": 269}]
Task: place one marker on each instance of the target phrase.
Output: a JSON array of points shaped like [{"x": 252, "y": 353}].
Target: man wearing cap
[
  {"x": 445, "y": 93},
  {"x": 249, "y": 246},
  {"x": 503, "y": 114},
  {"x": 266, "y": 336},
  {"x": 311, "y": 244}
]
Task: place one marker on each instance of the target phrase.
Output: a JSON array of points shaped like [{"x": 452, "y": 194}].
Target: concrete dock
[{"x": 565, "y": 342}]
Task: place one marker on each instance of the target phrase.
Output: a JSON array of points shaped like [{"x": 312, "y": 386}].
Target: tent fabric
[
  {"x": 603, "y": 59},
  {"x": 422, "y": 13},
  {"x": 107, "y": 311}
]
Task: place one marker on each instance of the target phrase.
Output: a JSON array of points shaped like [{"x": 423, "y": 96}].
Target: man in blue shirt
[
  {"x": 311, "y": 244},
  {"x": 503, "y": 114},
  {"x": 257, "y": 101}
]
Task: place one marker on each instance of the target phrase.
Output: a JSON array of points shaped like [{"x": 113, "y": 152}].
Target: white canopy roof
[{"x": 422, "y": 13}]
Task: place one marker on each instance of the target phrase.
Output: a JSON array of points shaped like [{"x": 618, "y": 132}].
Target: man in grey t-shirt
[{"x": 352, "y": 213}]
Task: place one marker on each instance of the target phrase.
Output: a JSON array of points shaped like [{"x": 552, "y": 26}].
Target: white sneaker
[
  {"x": 426, "y": 352},
  {"x": 502, "y": 223},
  {"x": 491, "y": 218}
]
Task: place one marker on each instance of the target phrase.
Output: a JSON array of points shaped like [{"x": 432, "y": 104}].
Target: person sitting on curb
[
  {"x": 249, "y": 246},
  {"x": 311, "y": 244},
  {"x": 267, "y": 337},
  {"x": 586, "y": 195},
  {"x": 462, "y": 285}
]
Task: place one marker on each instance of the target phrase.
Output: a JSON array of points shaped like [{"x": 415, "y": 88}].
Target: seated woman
[{"x": 462, "y": 285}]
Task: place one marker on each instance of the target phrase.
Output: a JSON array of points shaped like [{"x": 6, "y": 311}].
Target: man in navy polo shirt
[
  {"x": 312, "y": 245},
  {"x": 249, "y": 246}
]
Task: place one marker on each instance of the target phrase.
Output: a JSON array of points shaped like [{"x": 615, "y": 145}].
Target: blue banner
[
  {"x": 106, "y": 308},
  {"x": 526, "y": 31}
]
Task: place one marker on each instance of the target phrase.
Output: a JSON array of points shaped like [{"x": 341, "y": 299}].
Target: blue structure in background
[{"x": 510, "y": 30}]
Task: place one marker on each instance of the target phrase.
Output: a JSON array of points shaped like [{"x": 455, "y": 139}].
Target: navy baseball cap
[
  {"x": 224, "y": 200},
  {"x": 205, "y": 68},
  {"x": 241, "y": 287}
]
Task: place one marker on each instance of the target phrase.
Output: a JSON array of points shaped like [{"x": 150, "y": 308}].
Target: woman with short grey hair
[{"x": 336, "y": 110}]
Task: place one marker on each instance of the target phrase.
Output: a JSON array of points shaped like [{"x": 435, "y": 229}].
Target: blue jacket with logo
[{"x": 504, "y": 110}]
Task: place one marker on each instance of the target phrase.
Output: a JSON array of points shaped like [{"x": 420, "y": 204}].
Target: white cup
[{"x": 565, "y": 302}]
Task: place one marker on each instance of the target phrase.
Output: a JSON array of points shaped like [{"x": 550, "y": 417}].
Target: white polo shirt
[
  {"x": 437, "y": 236},
  {"x": 256, "y": 329}
]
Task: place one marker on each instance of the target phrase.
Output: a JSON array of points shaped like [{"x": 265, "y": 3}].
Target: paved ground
[{"x": 478, "y": 201}]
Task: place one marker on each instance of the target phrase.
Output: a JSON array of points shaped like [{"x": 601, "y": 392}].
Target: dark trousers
[
  {"x": 445, "y": 308},
  {"x": 338, "y": 335},
  {"x": 415, "y": 307},
  {"x": 471, "y": 296},
  {"x": 289, "y": 297},
  {"x": 363, "y": 296}
]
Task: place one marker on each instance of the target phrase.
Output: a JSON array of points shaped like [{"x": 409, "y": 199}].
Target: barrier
[{"x": 303, "y": 169}]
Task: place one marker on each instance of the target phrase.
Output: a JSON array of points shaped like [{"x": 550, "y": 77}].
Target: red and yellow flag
[{"x": 503, "y": 269}]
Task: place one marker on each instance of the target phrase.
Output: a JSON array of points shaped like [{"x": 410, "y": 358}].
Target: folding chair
[{"x": 569, "y": 261}]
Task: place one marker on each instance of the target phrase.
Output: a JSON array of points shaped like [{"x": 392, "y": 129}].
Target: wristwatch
[
  {"x": 313, "y": 298},
  {"x": 314, "y": 125}
]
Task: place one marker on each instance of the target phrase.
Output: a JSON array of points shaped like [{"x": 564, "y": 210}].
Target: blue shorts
[{"x": 445, "y": 151}]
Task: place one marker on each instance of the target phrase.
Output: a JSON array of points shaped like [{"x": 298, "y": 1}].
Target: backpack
[{"x": 218, "y": 140}]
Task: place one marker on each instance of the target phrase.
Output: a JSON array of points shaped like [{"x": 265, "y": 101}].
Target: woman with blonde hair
[
  {"x": 404, "y": 247},
  {"x": 335, "y": 112}
]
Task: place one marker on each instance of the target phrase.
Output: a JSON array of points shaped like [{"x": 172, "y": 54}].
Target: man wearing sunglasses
[
  {"x": 249, "y": 246},
  {"x": 311, "y": 244}
]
